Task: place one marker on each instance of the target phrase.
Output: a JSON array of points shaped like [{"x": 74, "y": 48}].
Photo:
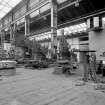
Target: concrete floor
[{"x": 41, "y": 87}]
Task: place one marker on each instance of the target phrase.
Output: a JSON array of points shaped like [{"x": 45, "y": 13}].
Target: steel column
[
  {"x": 2, "y": 42},
  {"x": 54, "y": 25},
  {"x": 12, "y": 34},
  {"x": 27, "y": 25}
]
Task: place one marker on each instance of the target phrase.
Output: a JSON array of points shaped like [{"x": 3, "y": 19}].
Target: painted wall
[{"x": 97, "y": 42}]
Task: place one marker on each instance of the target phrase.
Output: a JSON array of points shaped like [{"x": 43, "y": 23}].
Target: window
[{"x": 6, "y": 6}]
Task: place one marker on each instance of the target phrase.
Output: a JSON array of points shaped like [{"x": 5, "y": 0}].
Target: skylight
[{"x": 6, "y": 6}]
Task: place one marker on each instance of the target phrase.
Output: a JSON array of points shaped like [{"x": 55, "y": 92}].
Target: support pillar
[
  {"x": 13, "y": 40},
  {"x": 12, "y": 34},
  {"x": 27, "y": 25},
  {"x": 54, "y": 26},
  {"x": 85, "y": 66},
  {"x": 2, "y": 42},
  {"x": 27, "y": 20}
]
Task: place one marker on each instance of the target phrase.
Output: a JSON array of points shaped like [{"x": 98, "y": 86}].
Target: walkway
[{"x": 41, "y": 87}]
